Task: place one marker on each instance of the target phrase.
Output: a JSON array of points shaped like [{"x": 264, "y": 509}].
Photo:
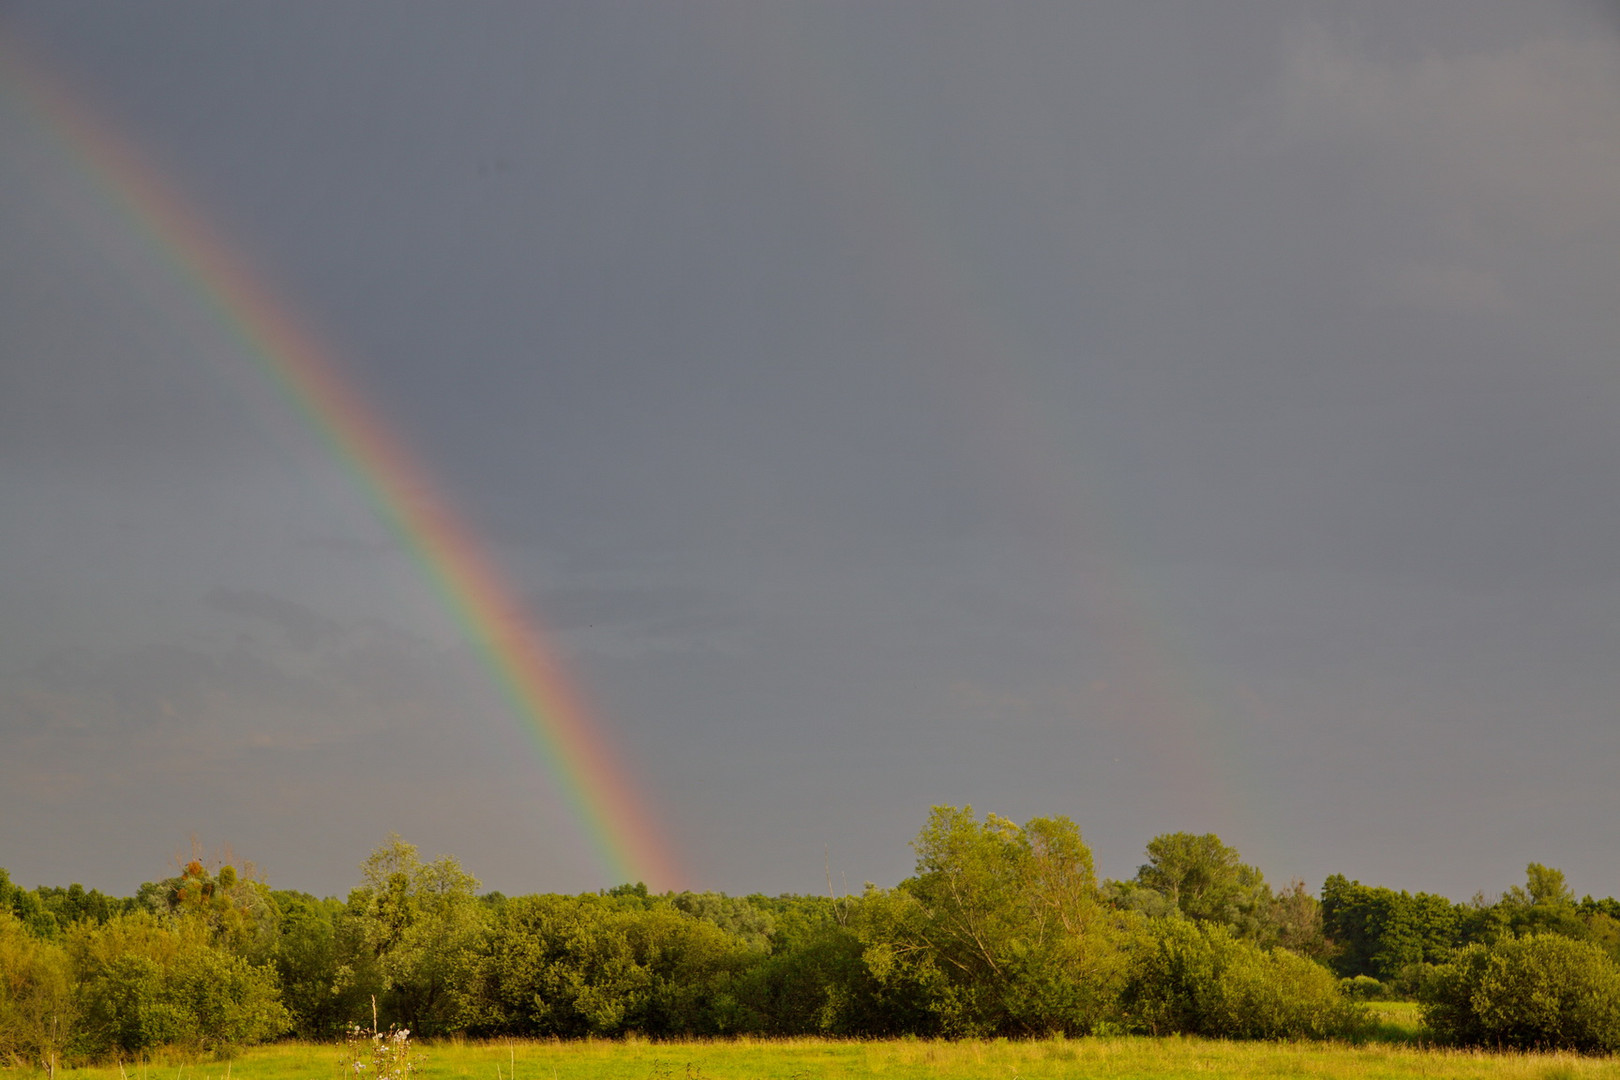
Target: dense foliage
[
  {"x": 1199, "y": 978},
  {"x": 1004, "y": 929},
  {"x": 1534, "y": 992}
]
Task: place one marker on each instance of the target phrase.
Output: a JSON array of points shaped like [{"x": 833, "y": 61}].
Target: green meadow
[{"x": 899, "y": 1059}]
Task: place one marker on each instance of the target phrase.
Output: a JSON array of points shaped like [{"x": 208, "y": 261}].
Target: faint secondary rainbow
[
  {"x": 972, "y": 362},
  {"x": 469, "y": 585}
]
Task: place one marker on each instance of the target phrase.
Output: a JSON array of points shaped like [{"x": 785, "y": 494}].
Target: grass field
[
  {"x": 906, "y": 1059},
  {"x": 1396, "y": 1021}
]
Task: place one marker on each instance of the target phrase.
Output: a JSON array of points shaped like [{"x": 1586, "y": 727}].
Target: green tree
[
  {"x": 39, "y": 919},
  {"x": 1207, "y": 880},
  {"x": 1381, "y": 933},
  {"x": 415, "y": 919},
  {"x": 146, "y": 980},
  {"x": 38, "y": 1011},
  {"x": 238, "y": 910},
  {"x": 1544, "y": 991},
  {"x": 815, "y": 981},
  {"x": 1546, "y": 887},
  {"x": 1602, "y": 925},
  {"x": 1134, "y": 896},
  {"x": 1001, "y": 930},
  {"x": 27, "y": 906},
  {"x": 1294, "y": 921},
  {"x": 591, "y": 965},
  {"x": 1198, "y": 978},
  {"x": 70, "y": 905},
  {"x": 314, "y": 956},
  {"x": 1544, "y": 904},
  {"x": 738, "y": 916}
]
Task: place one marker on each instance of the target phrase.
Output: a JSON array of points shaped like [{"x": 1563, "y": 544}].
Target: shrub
[
  {"x": 1363, "y": 988},
  {"x": 146, "y": 982},
  {"x": 1544, "y": 991},
  {"x": 583, "y": 966},
  {"x": 225, "y": 1000},
  {"x": 1273, "y": 994},
  {"x": 37, "y": 1011},
  {"x": 1200, "y": 980}
]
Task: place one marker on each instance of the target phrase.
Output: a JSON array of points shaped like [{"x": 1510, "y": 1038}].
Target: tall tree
[
  {"x": 1207, "y": 881},
  {"x": 38, "y": 1009},
  {"x": 1001, "y": 929},
  {"x": 415, "y": 920},
  {"x": 1381, "y": 932},
  {"x": 238, "y": 910}
]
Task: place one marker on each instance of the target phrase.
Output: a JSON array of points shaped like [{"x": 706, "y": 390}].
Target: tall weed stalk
[{"x": 386, "y": 1055}]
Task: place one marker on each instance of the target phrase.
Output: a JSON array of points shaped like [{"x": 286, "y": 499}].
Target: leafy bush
[
  {"x": 1380, "y": 931},
  {"x": 815, "y": 981},
  {"x": 1543, "y": 991},
  {"x": 147, "y": 982},
  {"x": 415, "y": 922},
  {"x": 1363, "y": 988},
  {"x": 1001, "y": 932},
  {"x": 225, "y": 1000},
  {"x": 37, "y": 1009},
  {"x": 1199, "y": 979},
  {"x": 579, "y": 966}
]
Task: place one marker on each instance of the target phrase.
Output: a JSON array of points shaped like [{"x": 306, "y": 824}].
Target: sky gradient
[{"x": 1169, "y": 417}]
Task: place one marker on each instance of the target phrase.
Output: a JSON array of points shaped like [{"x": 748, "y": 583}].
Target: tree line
[{"x": 1003, "y": 929}]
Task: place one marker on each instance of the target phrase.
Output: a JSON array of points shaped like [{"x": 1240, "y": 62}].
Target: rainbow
[
  {"x": 465, "y": 578},
  {"x": 972, "y": 363}
]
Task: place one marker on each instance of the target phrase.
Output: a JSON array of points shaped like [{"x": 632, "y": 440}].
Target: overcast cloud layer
[{"x": 1178, "y": 417}]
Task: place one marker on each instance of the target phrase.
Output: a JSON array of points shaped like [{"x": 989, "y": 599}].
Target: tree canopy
[{"x": 1002, "y": 929}]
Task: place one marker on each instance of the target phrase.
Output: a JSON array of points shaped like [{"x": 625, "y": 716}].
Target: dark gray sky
[{"x": 1176, "y": 416}]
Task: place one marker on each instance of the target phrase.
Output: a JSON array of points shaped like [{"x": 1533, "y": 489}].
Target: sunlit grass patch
[
  {"x": 1103, "y": 1058},
  {"x": 1396, "y": 1022},
  {"x": 1044, "y": 1059}
]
